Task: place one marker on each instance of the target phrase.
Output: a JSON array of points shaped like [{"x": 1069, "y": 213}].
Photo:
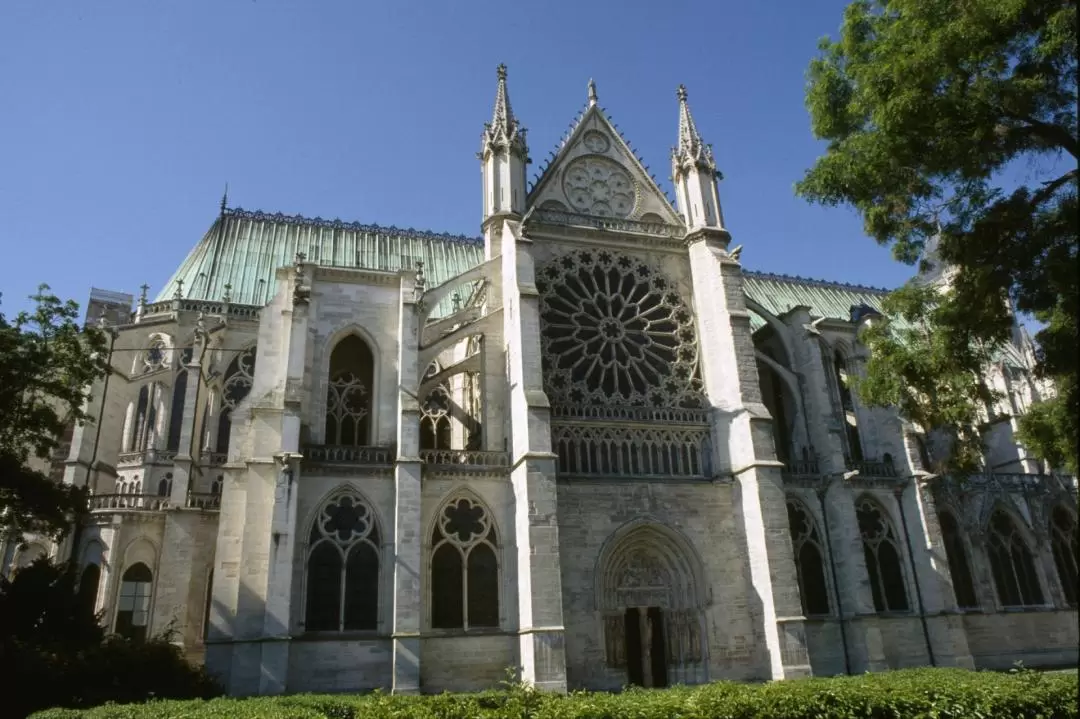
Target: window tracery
[
  {"x": 239, "y": 378},
  {"x": 956, "y": 556},
  {"x": 1011, "y": 563},
  {"x": 1065, "y": 545},
  {"x": 348, "y": 395},
  {"x": 343, "y": 566},
  {"x": 464, "y": 568},
  {"x": 882, "y": 552},
  {"x": 614, "y": 331},
  {"x": 809, "y": 559},
  {"x": 435, "y": 423},
  {"x": 155, "y": 356}
]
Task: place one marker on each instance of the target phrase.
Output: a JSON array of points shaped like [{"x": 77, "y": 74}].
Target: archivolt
[{"x": 647, "y": 564}]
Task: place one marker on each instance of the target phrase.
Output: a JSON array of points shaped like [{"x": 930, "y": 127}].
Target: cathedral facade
[{"x": 589, "y": 445}]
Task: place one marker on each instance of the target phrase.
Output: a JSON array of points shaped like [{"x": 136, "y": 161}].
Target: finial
[
  {"x": 225, "y": 198},
  {"x": 592, "y": 92},
  {"x": 179, "y": 294},
  {"x": 456, "y": 299},
  {"x": 420, "y": 280},
  {"x": 300, "y": 257},
  {"x": 142, "y": 294},
  {"x": 503, "y": 132},
  {"x": 227, "y": 296},
  {"x": 691, "y": 151}
]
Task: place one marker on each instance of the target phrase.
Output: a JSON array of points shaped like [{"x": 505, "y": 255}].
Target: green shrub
[
  {"x": 916, "y": 693},
  {"x": 115, "y": 670}
]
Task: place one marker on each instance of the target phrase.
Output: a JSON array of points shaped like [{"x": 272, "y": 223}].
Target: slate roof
[{"x": 245, "y": 248}]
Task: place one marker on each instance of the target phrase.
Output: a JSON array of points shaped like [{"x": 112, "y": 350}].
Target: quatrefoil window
[{"x": 615, "y": 331}]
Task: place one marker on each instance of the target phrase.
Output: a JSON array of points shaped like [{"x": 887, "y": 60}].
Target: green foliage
[
  {"x": 926, "y": 105},
  {"x": 39, "y": 606},
  {"x": 918, "y": 693},
  {"x": 54, "y": 653},
  {"x": 47, "y": 365},
  {"x": 931, "y": 379}
]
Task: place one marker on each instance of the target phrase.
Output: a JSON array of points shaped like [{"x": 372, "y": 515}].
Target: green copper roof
[
  {"x": 244, "y": 249},
  {"x": 780, "y": 293},
  {"x": 834, "y": 300}
]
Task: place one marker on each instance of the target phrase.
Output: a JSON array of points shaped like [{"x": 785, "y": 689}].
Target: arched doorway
[{"x": 651, "y": 594}]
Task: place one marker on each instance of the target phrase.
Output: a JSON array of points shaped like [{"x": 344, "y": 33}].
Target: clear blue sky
[{"x": 123, "y": 120}]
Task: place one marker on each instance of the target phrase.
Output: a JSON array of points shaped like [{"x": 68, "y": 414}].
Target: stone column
[
  {"x": 947, "y": 635},
  {"x": 408, "y": 532},
  {"x": 742, "y": 430},
  {"x": 542, "y": 653},
  {"x": 282, "y": 510}
]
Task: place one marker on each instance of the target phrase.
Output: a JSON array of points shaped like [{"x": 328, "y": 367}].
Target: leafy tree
[
  {"x": 47, "y": 366},
  {"x": 931, "y": 109}
]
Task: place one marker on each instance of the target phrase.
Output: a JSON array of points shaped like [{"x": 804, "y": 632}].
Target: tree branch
[
  {"x": 1049, "y": 188},
  {"x": 1055, "y": 134}
]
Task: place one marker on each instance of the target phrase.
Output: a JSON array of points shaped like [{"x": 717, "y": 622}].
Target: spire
[
  {"x": 592, "y": 92},
  {"x": 225, "y": 198},
  {"x": 503, "y": 132},
  {"x": 692, "y": 151}
]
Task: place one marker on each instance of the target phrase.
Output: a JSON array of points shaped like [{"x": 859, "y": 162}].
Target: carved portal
[{"x": 651, "y": 602}]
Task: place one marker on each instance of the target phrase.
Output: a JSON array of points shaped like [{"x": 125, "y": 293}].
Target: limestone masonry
[{"x": 588, "y": 444}]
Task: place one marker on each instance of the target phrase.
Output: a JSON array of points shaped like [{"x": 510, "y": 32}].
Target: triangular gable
[{"x": 596, "y": 173}]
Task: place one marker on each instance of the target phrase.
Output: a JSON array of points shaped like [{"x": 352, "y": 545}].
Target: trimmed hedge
[{"x": 928, "y": 693}]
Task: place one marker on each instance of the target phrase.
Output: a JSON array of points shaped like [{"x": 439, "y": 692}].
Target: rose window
[
  {"x": 614, "y": 331},
  {"x": 598, "y": 186}
]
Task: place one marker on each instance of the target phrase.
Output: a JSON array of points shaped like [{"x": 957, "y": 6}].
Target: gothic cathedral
[{"x": 588, "y": 444}]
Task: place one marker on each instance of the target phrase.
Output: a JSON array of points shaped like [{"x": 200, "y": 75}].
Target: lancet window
[
  {"x": 348, "y": 395},
  {"x": 809, "y": 559},
  {"x": 1011, "y": 563},
  {"x": 882, "y": 552},
  {"x": 1065, "y": 545},
  {"x": 464, "y": 567},
  {"x": 239, "y": 377},
  {"x": 842, "y": 387},
  {"x": 133, "y": 604},
  {"x": 436, "y": 431},
  {"x": 143, "y": 430},
  {"x": 956, "y": 555},
  {"x": 176, "y": 408},
  {"x": 343, "y": 566},
  {"x": 88, "y": 587},
  {"x": 164, "y": 488}
]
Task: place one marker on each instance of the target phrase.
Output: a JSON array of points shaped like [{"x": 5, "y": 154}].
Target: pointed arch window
[
  {"x": 882, "y": 552},
  {"x": 133, "y": 605},
  {"x": 348, "y": 394},
  {"x": 1011, "y": 563},
  {"x": 464, "y": 568},
  {"x": 841, "y": 382},
  {"x": 1065, "y": 545},
  {"x": 164, "y": 487},
  {"x": 176, "y": 407},
  {"x": 809, "y": 559},
  {"x": 435, "y": 429},
  {"x": 144, "y": 428},
  {"x": 959, "y": 570},
  {"x": 239, "y": 377},
  {"x": 89, "y": 581},
  {"x": 343, "y": 566}
]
